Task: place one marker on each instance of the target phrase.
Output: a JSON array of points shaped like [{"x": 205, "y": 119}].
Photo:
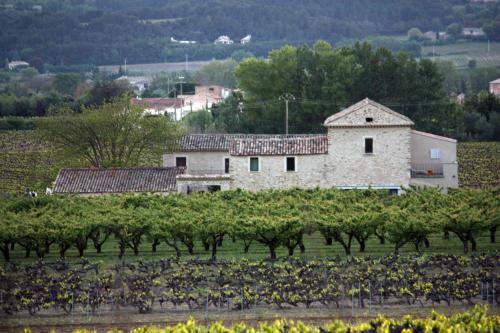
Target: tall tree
[{"x": 111, "y": 135}]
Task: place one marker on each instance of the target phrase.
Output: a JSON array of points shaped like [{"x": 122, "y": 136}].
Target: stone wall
[
  {"x": 387, "y": 167},
  {"x": 311, "y": 171}
]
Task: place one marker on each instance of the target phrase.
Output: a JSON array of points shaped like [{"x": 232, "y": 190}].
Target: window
[
  {"x": 226, "y": 165},
  {"x": 369, "y": 120},
  {"x": 435, "y": 154},
  {"x": 393, "y": 191},
  {"x": 290, "y": 164},
  {"x": 181, "y": 162},
  {"x": 254, "y": 164},
  {"x": 368, "y": 145}
]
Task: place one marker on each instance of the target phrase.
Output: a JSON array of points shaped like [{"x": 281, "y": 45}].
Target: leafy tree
[
  {"x": 66, "y": 83},
  {"x": 412, "y": 217},
  {"x": 464, "y": 214},
  {"x": 113, "y": 134},
  {"x": 217, "y": 72},
  {"x": 454, "y": 30},
  {"x": 414, "y": 34},
  {"x": 104, "y": 91}
]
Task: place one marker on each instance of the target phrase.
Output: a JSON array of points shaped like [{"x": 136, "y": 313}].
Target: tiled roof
[
  {"x": 222, "y": 142},
  {"x": 434, "y": 136},
  {"x": 116, "y": 180},
  {"x": 280, "y": 146},
  {"x": 158, "y": 103}
]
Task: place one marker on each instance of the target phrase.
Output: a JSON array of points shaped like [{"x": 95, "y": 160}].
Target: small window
[
  {"x": 435, "y": 154},
  {"x": 254, "y": 164},
  {"x": 226, "y": 165},
  {"x": 181, "y": 162},
  {"x": 393, "y": 191},
  {"x": 369, "y": 120},
  {"x": 368, "y": 145},
  {"x": 290, "y": 164}
]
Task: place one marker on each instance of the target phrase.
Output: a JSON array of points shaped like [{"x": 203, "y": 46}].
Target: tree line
[
  {"x": 85, "y": 32},
  {"x": 278, "y": 218}
]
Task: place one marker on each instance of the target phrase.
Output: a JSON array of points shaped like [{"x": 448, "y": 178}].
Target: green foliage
[
  {"x": 66, "y": 83},
  {"x": 273, "y": 218},
  {"x": 324, "y": 80},
  {"x": 105, "y": 33},
  {"x": 113, "y": 134},
  {"x": 414, "y": 34},
  {"x": 217, "y": 72},
  {"x": 454, "y": 30}
]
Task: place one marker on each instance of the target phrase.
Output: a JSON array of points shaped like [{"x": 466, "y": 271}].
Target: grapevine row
[{"x": 232, "y": 285}]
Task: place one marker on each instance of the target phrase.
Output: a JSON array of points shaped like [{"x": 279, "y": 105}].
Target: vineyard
[
  {"x": 479, "y": 164},
  {"x": 169, "y": 285},
  {"x": 26, "y": 161},
  {"x": 273, "y": 219}
]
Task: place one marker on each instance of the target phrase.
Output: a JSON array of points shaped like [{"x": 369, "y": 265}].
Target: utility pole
[
  {"x": 182, "y": 98},
  {"x": 286, "y": 97},
  {"x": 125, "y": 70}
]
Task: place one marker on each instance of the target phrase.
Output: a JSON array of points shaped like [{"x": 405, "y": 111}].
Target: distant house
[
  {"x": 16, "y": 64},
  {"x": 495, "y": 87},
  {"x": 205, "y": 96},
  {"x": 460, "y": 98},
  {"x": 246, "y": 39},
  {"x": 116, "y": 180},
  {"x": 430, "y": 35},
  {"x": 224, "y": 40},
  {"x": 173, "y": 40},
  {"x": 161, "y": 106},
  {"x": 139, "y": 83},
  {"x": 473, "y": 32}
]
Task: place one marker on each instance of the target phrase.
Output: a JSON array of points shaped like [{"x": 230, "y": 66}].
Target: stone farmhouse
[{"x": 366, "y": 145}]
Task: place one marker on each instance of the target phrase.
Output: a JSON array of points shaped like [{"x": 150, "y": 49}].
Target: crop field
[
  {"x": 461, "y": 53},
  {"x": 479, "y": 164},
  {"x": 27, "y": 162},
  {"x": 155, "y": 68}
]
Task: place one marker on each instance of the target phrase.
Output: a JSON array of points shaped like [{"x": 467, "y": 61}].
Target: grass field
[
  {"x": 461, "y": 53},
  {"x": 155, "y": 68}
]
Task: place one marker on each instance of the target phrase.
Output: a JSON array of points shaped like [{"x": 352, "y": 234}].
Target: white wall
[{"x": 199, "y": 161}]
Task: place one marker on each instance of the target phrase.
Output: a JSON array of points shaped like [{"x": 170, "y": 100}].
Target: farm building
[
  {"x": 161, "y": 106},
  {"x": 116, "y": 180},
  {"x": 495, "y": 87},
  {"x": 366, "y": 145}
]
